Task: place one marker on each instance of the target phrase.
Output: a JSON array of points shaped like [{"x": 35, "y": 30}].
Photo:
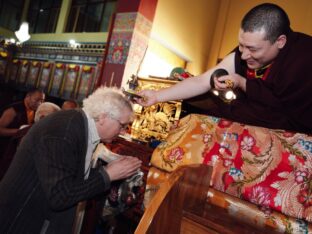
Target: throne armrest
[{"x": 184, "y": 191}]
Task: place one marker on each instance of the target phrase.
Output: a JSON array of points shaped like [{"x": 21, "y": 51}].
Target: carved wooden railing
[
  {"x": 184, "y": 192},
  {"x": 186, "y": 204}
]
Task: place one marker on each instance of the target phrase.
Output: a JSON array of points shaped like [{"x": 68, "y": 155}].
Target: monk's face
[
  {"x": 256, "y": 50},
  {"x": 69, "y": 105},
  {"x": 34, "y": 100}
]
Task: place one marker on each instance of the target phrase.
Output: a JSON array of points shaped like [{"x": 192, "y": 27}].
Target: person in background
[
  {"x": 43, "y": 110},
  {"x": 18, "y": 114},
  {"x": 50, "y": 173},
  {"x": 69, "y": 104},
  {"x": 270, "y": 72}
]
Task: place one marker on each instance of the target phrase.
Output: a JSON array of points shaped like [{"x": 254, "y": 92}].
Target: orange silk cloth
[{"x": 270, "y": 168}]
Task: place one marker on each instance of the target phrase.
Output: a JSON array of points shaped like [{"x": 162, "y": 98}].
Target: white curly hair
[
  {"x": 45, "y": 109},
  {"x": 106, "y": 100}
]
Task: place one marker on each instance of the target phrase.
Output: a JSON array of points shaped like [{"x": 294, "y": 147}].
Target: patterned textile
[
  {"x": 123, "y": 194},
  {"x": 270, "y": 168},
  {"x": 248, "y": 212}
]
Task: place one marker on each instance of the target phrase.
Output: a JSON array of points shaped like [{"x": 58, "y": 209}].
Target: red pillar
[{"x": 127, "y": 41}]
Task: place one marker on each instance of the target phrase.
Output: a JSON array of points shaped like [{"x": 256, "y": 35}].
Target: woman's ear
[{"x": 281, "y": 41}]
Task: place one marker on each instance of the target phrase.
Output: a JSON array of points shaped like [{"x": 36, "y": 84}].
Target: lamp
[
  {"x": 73, "y": 44},
  {"x": 22, "y": 34}
]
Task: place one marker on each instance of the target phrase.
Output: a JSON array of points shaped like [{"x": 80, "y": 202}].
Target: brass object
[
  {"x": 154, "y": 121},
  {"x": 229, "y": 84}
]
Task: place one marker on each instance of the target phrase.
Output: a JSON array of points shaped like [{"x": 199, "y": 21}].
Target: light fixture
[
  {"x": 22, "y": 34},
  {"x": 12, "y": 40},
  {"x": 73, "y": 44}
]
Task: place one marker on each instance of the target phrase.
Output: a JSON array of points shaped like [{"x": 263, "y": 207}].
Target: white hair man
[{"x": 51, "y": 170}]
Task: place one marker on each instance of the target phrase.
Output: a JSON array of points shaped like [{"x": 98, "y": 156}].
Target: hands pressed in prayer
[{"x": 123, "y": 167}]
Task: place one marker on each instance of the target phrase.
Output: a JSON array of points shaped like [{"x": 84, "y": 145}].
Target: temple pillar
[{"x": 127, "y": 41}]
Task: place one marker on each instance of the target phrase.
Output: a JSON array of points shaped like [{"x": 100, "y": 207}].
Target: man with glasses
[
  {"x": 50, "y": 173},
  {"x": 18, "y": 114}
]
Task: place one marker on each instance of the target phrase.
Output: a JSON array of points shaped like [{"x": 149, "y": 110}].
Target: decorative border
[
  {"x": 119, "y": 48},
  {"x": 125, "y": 22},
  {"x": 129, "y": 39}
]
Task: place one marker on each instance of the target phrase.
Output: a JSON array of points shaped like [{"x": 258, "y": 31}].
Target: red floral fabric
[{"x": 270, "y": 168}]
